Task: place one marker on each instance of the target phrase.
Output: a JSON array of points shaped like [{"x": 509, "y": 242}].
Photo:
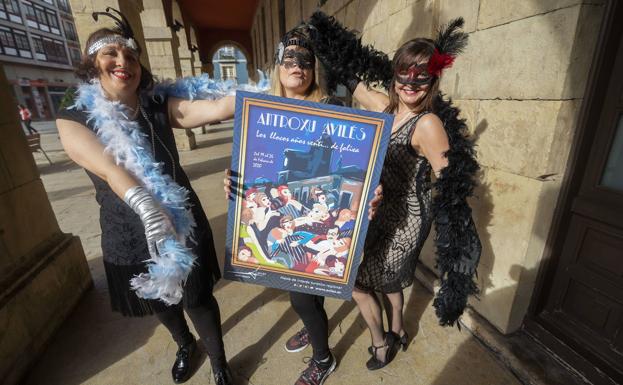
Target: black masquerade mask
[
  {"x": 416, "y": 75},
  {"x": 289, "y": 57},
  {"x": 449, "y": 43},
  {"x": 305, "y": 60}
]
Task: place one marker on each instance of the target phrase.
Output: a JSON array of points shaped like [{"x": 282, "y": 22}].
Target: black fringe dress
[{"x": 124, "y": 246}]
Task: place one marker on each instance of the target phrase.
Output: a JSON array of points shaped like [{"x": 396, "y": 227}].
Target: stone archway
[{"x": 211, "y": 53}]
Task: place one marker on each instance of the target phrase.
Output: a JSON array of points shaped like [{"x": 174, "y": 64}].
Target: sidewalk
[{"x": 96, "y": 346}]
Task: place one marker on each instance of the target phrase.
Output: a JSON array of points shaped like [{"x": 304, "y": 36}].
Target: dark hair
[
  {"x": 406, "y": 56},
  {"x": 87, "y": 70}
]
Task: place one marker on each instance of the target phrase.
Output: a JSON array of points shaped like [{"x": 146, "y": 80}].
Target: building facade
[
  {"x": 39, "y": 50},
  {"x": 230, "y": 64},
  {"x": 540, "y": 86}
]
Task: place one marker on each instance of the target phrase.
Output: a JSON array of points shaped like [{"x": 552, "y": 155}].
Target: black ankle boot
[
  {"x": 222, "y": 375},
  {"x": 182, "y": 368}
]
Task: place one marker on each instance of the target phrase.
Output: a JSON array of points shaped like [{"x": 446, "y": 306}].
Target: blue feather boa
[
  {"x": 123, "y": 139},
  {"x": 202, "y": 87}
]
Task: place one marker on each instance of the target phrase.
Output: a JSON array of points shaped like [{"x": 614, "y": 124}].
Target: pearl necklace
[{"x": 155, "y": 136}]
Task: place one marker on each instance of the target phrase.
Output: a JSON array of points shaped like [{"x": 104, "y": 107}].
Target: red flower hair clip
[{"x": 438, "y": 62}]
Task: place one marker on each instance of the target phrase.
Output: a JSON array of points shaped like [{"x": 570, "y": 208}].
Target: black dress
[
  {"x": 403, "y": 220},
  {"x": 124, "y": 246}
]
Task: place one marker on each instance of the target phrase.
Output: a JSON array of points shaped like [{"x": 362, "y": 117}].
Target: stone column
[
  {"x": 163, "y": 50},
  {"x": 196, "y": 60},
  {"x": 82, "y": 10},
  {"x": 208, "y": 68},
  {"x": 43, "y": 272},
  {"x": 183, "y": 36},
  {"x": 160, "y": 42}
]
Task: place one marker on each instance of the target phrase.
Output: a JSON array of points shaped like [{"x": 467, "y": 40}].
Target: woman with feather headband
[
  {"x": 427, "y": 137},
  {"x": 157, "y": 244}
]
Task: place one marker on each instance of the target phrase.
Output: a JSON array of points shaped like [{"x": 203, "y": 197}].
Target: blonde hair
[{"x": 315, "y": 93}]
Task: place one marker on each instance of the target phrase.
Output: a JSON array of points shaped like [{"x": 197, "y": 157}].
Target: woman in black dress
[
  {"x": 136, "y": 222},
  {"x": 427, "y": 137}
]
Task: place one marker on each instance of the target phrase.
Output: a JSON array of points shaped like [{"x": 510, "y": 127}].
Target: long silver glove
[{"x": 157, "y": 224}]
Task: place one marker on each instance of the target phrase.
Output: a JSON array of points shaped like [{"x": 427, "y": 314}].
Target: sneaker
[
  {"x": 298, "y": 342},
  {"x": 316, "y": 373}
]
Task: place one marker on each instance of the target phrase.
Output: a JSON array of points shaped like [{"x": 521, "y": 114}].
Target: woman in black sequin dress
[{"x": 112, "y": 59}]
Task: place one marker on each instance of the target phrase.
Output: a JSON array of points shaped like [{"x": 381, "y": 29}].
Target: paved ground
[{"x": 96, "y": 346}]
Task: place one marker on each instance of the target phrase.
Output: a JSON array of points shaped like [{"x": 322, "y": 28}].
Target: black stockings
[
  {"x": 311, "y": 310},
  {"x": 207, "y": 321}
]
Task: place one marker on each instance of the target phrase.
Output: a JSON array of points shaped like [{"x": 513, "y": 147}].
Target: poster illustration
[{"x": 303, "y": 175}]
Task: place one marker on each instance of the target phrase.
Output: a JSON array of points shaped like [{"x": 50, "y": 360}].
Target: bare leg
[
  {"x": 394, "y": 311},
  {"x": 370, "y": 309}
]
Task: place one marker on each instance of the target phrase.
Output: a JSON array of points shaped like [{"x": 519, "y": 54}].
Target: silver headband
[{"x": 112, "y": 39}]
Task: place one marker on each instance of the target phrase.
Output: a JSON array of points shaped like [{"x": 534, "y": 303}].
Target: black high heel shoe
[
  {"x": 404, "y": 341},
  {"x": 392, "y": 343}
]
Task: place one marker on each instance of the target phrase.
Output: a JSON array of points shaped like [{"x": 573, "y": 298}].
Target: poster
[{"x": 304, "y": 173}]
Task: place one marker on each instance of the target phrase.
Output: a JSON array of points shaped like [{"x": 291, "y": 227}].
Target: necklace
[
  {"x": 134, "y": 114},
  {"x": 155, "y": 136}
]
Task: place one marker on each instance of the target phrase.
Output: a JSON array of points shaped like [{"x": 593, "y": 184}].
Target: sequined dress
[
  {"x": 124, "y": 246},
  {"x": 403, "y": 220}
]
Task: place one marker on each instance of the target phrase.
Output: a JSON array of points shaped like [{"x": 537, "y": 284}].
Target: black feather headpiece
[
  {"x": 450, "y": 40},
  {"x": 449, "y": 43},
  {"x": 122, "y": 26},
  {"x": 121, "y": 22}
]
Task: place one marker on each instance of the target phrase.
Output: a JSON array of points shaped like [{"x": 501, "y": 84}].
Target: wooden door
[{"x": 583, "y": 303}]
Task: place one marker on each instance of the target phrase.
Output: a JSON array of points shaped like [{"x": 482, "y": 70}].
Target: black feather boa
[
  {"x": 344, "y": 56},
  {"x": 457, "y": 244}
]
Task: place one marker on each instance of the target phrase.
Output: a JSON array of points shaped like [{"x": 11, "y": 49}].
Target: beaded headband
[{"x": 112, "y": 39}]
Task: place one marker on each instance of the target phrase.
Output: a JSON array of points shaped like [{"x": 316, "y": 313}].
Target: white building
[{"x": 38, "y": 49}]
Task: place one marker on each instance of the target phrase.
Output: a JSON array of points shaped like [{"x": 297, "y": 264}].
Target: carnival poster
[{"x": 303, "y": 175}]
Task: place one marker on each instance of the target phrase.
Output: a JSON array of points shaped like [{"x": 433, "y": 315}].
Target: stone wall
[
  {"x": 43, "y": 272},
  {"x": 520, "y": 85}
]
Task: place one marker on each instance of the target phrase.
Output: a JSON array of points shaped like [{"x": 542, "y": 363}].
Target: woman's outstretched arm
[
  {"x": 370, "y": 99},
  {"x": 194, "y": 113},
  {"x": 84, "y": 148}
]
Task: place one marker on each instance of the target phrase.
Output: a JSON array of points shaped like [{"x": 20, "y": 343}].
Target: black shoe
[
  {"x": 392, "y": 343},
  {"x": 222, "y": 376},
  {"x": 404, "y": 341},
  {"x": 182, "y": 368}
]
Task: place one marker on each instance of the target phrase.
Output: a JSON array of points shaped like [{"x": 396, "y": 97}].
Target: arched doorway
[{"x": 229, "y": 61}]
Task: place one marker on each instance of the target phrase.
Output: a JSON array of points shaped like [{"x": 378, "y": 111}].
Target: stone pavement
[{"x": 97, "y": 346}]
